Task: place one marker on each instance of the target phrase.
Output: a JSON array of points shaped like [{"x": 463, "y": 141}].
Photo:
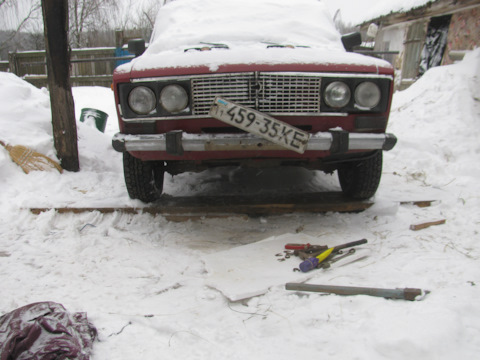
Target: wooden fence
[
  {"x": 4, "y": 66},
  {"x": 89, "y": 67}
]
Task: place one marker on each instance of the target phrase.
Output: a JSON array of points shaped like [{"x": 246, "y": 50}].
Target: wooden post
[
  {"x": 12, "y": 59},
  {"x": 55, "y": 19}
]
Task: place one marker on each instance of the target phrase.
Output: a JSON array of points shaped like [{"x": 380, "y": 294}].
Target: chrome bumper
[{"x": 176, "y": 142}]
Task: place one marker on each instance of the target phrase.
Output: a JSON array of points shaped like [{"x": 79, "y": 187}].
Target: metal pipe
[{"x": 404, "y": 294}]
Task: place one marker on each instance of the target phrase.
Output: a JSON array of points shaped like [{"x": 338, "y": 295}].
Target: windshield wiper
[
  {"x": 208, "y": 47},
  {"x": 289, "y": 46}
]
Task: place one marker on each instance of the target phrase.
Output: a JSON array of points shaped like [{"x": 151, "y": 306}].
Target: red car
[{"x": 254, "y": 83}]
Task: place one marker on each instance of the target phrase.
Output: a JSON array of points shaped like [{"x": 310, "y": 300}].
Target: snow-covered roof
[
  {"x": 393, "y": 6},
  {"x": 358, "y": 12}
]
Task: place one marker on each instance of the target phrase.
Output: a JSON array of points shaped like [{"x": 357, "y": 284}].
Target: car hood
[{"x": 253, "y": 57}]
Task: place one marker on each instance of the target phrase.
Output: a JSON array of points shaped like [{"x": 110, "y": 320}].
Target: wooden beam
[
  {"x": 224, "y": 206},
  {"x": 420, "y": 203}
]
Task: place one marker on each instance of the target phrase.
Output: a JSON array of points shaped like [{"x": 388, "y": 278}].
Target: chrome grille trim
[
  {"x": 280, "y": 93},
  {"x": 290, "y": 93},
  {"x": 235, "y": 87}
]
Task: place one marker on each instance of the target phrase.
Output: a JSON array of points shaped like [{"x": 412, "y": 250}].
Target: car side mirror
[
  {"x": 351, "y": 40},
  {"x": 136, "y": 47}
]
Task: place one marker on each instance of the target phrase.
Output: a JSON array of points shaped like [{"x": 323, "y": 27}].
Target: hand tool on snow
[
  {"x": 403, "y": 294},
  {"x": 326, "y": 264},
  {"x": 306, "y": 247},
  {"x": 30, "y": 160},
  {"x": 314, "y": 261},
  {"x": 305, "y": 251}
]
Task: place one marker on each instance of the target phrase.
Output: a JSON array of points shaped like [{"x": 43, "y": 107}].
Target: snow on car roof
[
  {"x": 184, "y": 23},
  {"x": 244, "y": 31}
]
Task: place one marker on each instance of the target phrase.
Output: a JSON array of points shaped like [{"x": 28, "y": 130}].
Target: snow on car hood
[
  {"x": 244, "y": 32},
  {"x": 185, "y": 23}
]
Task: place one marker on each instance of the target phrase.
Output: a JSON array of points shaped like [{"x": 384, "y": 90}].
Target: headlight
[
  {"x": 174, "y": 98},
  {"x": 367, "y": 95},
  {"x": 142, "y": 100},
  {"x": 337, "y": 94}
]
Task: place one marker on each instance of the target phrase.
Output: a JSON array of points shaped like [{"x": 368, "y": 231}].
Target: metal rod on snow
[{"x": 404, "y": 294}]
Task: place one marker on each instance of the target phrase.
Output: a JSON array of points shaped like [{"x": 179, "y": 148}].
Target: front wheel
[
  {"x": 144, "y": 179},
  {"x": 360, "y": 179}
]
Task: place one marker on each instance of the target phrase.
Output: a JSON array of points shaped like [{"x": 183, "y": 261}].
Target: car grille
[{"x": 274, "y": 93}]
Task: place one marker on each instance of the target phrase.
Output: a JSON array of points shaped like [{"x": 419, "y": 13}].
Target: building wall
[{"x": 463, "y": 33}]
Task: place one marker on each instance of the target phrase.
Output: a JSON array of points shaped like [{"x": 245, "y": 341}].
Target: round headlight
[
  {"x": 174, "y": 98},
  {"x": 337, "y": 94},
  {"x": 142, "y": 100},
  {"x": 367, "y": 95}
]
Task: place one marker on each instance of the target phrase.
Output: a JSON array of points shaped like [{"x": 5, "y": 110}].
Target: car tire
[
  {"x": 144, "y": 179},
  {"x": 360, "y": 179}
]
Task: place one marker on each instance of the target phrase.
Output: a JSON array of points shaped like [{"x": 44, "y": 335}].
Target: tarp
[
  {"x": 45, "y": 331},
  {"x": 435, "y": 43}
]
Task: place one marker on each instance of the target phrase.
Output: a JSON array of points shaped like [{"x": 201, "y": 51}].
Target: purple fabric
[{"x": 45, "y": 331}]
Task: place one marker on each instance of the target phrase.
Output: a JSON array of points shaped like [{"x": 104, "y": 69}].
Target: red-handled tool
[{"x": 298, "y": 246}]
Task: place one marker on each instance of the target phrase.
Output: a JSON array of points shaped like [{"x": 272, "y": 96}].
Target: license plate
[{"x": 260, "y": 124}]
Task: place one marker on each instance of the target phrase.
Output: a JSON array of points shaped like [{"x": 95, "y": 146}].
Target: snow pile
[
  {"x": 143, "y": 279},
  {"x": 443, "y": 133},
  {"x": 24, "y": 114},
  {"x": 25, "y": 119}
]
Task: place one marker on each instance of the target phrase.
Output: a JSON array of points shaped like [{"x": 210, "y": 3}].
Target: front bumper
[{"x": 176, "y": 142}]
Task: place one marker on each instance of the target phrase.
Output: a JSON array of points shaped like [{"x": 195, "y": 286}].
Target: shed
[{"x": 437, "y": 33}]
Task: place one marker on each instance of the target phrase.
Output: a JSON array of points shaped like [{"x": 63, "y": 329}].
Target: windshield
[{"x": 182, "y": 24}]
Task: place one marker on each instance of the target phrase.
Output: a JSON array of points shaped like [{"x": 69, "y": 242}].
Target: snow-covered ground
[{"x": 145, "y": 282}]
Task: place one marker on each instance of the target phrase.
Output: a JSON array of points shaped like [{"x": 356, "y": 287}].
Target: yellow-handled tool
[{"x": 313, "y": 262}]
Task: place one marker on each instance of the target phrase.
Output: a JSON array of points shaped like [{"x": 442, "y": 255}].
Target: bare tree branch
[
  {"x": 2, "y": 2},
  {"x": 89, "y": 15},
  {"x": 33, "y": 13},
  {"x": 148, "y": 13},
  {"x": 34, "y": 9}
]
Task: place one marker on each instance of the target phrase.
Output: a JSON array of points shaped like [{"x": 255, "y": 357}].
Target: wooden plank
[
  {"x": 223, "y": 206},
  {"x": 95, "y": 80},
  {"x": 421, "y": 203},
  {"x": 425, "y": 225},
  {"x": 413, "y": 48}
]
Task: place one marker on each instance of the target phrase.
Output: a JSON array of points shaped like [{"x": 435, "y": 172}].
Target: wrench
[{"x": 326, "y": 265}]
